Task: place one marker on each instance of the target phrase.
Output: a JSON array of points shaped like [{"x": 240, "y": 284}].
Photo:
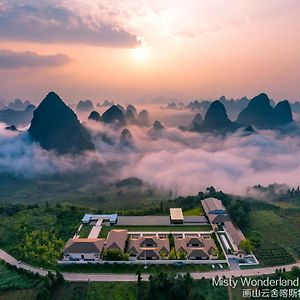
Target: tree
[
  {"x": 114, "y": 254},
  {"x": 59, "y": 278},
  {"x": 255, "y": 239},
  {"x": 246, "y": 246},
  {"x": 172, "y": 254},
  {"x": 181, "y": 255},
  {"x": 163, "y": 254},
  {"x": 171, "y": 240},
  {"x": 295, "y": 272}
]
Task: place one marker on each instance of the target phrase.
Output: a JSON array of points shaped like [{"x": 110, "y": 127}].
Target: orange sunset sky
[{"x": 149, "y": 51}]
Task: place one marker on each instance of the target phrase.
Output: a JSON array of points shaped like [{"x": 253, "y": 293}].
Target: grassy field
[
  {"x": 197, "y": 211},
  {"x": 202, "y": 289},
  {"x": 106, "y": 229},
  {"x": 10, "y": 280},
  {"x": 76, "y": 189},
  {"x": 85, "y": 231},
  {"x": 115, "y": 290},
  {"x": 26, "y": 294},
  {"x": 123, "y": 269},
  {"x": 279, "y": 229}
]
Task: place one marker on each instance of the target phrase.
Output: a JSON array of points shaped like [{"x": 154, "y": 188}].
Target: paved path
[{"x": 132, "y": 277}]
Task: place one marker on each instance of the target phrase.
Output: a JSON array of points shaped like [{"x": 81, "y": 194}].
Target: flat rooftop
[
  {"x": 176, "y": 214},
  {"x": 143, "y": 220},
  {"x": 90, "y": 217}
]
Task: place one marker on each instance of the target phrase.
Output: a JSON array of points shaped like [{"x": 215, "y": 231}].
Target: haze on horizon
[{"x": 147, "y": 51}]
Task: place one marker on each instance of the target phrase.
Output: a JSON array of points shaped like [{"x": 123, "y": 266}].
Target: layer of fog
[{"x": 183, "y": 162}]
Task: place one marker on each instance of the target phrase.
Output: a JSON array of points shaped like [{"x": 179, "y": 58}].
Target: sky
[{"x": 149, "y": 51}]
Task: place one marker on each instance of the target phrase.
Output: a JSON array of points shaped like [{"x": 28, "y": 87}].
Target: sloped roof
[
  {"x": 116, "y": 237},
  {"x": 219, "y": 218},
  {"x": 148, "y": 253},
  {"x": 137, "y": 245},
  {"x": 148, "y": 241},
  {"x": 235, "y": 233},
  {"x": 212, "y": 204},
  {"x": 197, "y": 253},
  {"x": 195, "y": 240},
  {"x": 78, "y": 245},
  {"x": 207, "y": 244}
]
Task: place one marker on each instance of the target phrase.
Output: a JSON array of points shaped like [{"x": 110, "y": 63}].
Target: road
[{"x": 132, "y": 277}]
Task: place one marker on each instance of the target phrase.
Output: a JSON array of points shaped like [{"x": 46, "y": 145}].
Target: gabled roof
[
  {"x": 219, "y": 219},
  {"x": 137, "y": 244},
  {"x": 77, "y": 245},
  {"x": 195, "y": 240},
  {"x": 148, "y": 241},
  {"x": 197, "y": 253},
  {"x": 208, "y": 244},
  {"x": 213, "y": 205},
  {"x": 116, "y": 239},
  {"x": 235, "y": 233},
  {"x": 148, "y": 253}
]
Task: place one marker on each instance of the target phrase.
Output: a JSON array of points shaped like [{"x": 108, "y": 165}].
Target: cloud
[
  {"x": 183, "y": 162},
  {"x": 48, "y": 23},
  {"x": 14, "y": 60}
]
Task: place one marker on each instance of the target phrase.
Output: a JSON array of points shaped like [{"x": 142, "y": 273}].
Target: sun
[{"x": 140, "y": 54}]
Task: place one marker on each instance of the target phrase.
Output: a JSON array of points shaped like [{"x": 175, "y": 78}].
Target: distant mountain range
[
  {"x": 56, "y": 127},
  {"x": 233, "y": 106},
  {"x": 119, "y": 117},
  {"x": 17, "y": 117},
  {"x": 259, "y": 113}
]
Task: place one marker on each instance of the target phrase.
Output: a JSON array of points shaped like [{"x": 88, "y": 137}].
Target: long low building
[
  {"x": 215, "y": 211},
  {"x": 235, "y": 233}
]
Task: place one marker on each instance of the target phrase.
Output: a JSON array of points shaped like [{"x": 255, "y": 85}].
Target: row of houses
[{"x": 195, "y": 247}]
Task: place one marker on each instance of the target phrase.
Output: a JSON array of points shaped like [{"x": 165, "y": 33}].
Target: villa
[
  {"x": 149, "y": 248},
  {"x": 83, "y": 249},
  {"x": 200, "y": 247},
  {"x": 116, "y": 239}
]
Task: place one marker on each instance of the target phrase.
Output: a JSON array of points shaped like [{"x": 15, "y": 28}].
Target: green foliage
[
  {"x": 172, "y": 254},
  {"x": 171, "y": 286},
  {"x": 112, "y": 290},
  {"x": 246, "y": 246},
  {"x": 181, "y": 255},
  {"x": 19, "y": 223},
  {"x": 274, "y": 256},
  {"x": 12, "y": 279},
  {"x": 255, "y": 239},
  {"x": 171, "y": 240},
  {"x": 114, "y": 254},
  {"x": 42, "y": 247}
]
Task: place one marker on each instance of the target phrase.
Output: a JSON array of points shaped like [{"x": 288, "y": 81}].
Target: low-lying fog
[{"x": 184, "y": 162}]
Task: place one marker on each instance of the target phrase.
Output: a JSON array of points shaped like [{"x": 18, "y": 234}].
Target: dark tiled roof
[
  {"x": 148, "y": 253},
  {"x": 197, "y": 253},
  {"x": 84, "y": 246},
  {"x": 148, "y": 241},
  {"x": 219, "y": 218},
  {"x": 196, "y": 241}
]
